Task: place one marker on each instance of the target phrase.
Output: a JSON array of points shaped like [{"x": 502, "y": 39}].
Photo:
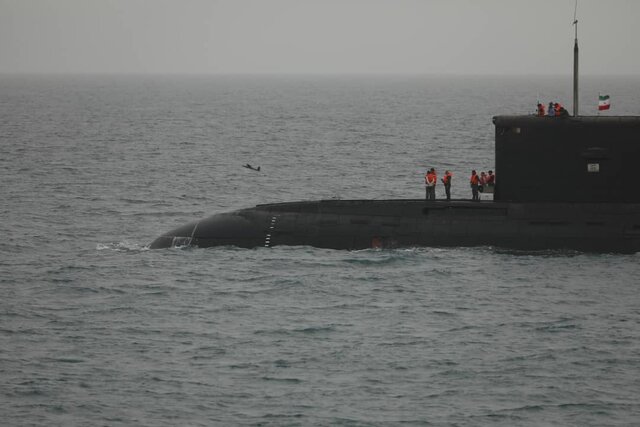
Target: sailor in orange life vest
[
  {"x": 560, "y": 110},
  {"x": 475, "y": 182},
  {"x": 430, "y": 184},
  {"x": 541, "y": 112},
  {"x": 446, "y": 180}
]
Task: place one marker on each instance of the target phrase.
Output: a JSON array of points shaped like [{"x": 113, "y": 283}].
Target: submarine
[{"x": 563, "y": 183}]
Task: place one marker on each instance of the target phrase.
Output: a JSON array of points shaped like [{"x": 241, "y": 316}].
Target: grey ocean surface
[{"x": 97, "y": 330}]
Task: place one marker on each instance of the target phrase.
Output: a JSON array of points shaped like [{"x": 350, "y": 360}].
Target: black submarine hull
[
  {"x": 563, "y": 183},
  {"x": 362, "y": 224}
]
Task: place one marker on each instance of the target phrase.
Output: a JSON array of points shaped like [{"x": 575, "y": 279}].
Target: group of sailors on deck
[
  {"x": 555, "y": 110},
  {"x": 485, "y": 182}
]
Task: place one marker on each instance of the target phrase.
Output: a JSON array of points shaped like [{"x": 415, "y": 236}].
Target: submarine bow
[{"x": 225, "y": 229}]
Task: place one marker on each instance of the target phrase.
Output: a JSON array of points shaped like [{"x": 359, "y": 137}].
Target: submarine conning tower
[{"x": 567, "y": 159}]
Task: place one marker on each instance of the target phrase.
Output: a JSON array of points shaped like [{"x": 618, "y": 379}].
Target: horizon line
[{"x": 300, "y": 74}]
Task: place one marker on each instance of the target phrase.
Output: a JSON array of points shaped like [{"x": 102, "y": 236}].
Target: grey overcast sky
[{"x": 318, "y": 36}]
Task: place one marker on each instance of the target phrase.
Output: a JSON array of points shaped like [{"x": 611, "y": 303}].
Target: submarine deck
[
  {"x": 393, "y": 204},
  {"x": 543, "y": 211}
]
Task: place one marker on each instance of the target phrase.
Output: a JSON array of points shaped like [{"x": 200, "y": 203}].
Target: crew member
[
  {"x": 491, "y": 179},
  {"x": 551, "y": 112},
  {"x": 490, "y": 183},
  {"x": 561, "y": 111},
  {"x": 474, "y": 181},
  {"x": 541, "y": 111},
  {"x": 430, "y": 184},
  {"x": 446, "y": 180}
]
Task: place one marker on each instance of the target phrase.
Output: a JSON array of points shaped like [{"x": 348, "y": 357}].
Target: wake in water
[{"x": 124, "y": 246}]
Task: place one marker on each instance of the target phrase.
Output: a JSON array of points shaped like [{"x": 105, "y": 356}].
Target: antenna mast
[{"x": 575, "y": 63}]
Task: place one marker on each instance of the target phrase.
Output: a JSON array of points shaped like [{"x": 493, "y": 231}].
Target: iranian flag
[{"x": 603, "y": 102}]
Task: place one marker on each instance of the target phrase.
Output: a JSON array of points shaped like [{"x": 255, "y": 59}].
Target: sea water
[{"x": 95, "y": 329}]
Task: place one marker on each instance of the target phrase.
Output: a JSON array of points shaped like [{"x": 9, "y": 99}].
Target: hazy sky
[{"x": 318, "y": 36}]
